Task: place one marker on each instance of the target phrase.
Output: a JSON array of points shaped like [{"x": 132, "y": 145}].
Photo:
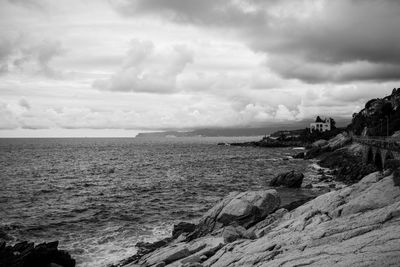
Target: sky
[{"x": 119, "y": 67}]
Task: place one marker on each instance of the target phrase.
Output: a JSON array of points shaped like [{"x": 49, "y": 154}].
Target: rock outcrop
[
  {"x": 348, "y": 166},
  {"x": 27, "y": 254},
  {"x": 244, "y": 209},
  {"x": 358, "y": 225},
  {"x": 290, "y": 179},
  {"x": 319, "y": 143}
]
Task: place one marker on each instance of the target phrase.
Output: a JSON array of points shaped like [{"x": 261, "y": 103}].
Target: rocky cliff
[
  {"x": 380, "y": 117},
  {"x": 358, "y": 225}
]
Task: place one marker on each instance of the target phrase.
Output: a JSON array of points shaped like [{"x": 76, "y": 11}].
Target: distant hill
[
  {"x": 234, "y": 131},
  {"x": 379, "y": 117}
]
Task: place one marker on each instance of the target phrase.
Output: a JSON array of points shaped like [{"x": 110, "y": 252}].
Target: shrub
[{"x": 392, "y": 164}]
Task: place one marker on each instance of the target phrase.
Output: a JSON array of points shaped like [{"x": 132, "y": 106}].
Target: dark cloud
[
  {"x": 308, "y": 40},
  {"x": 216, "y": 12},
  {"x": 291, "y": 67}
]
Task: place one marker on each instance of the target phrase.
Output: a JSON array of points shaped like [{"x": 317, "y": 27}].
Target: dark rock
[
  {"x": 290, "y": 179},
  {"x": 308, "y": 186},
  {"x": 396, "y": 177},
  {"x": 295, "y": 204},
  {"x": 27, "y": 254},
  {"x": 392, "y": 164},
  {"x": 314, "y": 152},
  {"x": 230, "y": 234},
  {"x": 144, "y": 248},
  {"x": 347, "y": 167},
  {"x": 182, "y": 227},
  {"x": 299, "y": 155}
]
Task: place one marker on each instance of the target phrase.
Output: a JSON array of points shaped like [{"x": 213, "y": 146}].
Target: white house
[{"x": 322, "y": 126}]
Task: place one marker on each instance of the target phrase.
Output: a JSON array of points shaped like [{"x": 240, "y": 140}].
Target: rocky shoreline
[{"x": 357, "y": 224}]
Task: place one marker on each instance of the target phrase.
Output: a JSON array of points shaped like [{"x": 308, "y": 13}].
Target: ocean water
[{"x": 99, "y": 196}]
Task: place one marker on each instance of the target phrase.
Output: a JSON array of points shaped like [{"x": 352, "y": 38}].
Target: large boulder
[
  {"x": 290, "y": 179},
  {"x": 244, "y": 209}
]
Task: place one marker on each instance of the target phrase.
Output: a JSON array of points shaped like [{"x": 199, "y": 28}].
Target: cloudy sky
[{"x": 118, "y": 67}]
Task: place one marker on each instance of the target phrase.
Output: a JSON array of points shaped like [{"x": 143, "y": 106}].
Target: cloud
[
  {"x": 8, "y": 119},
  {"x": 359, "y": 40},
  {"x": 149, "y": 69},
  {"x": 35, "y": 4},
  {"x": 24, "y": 103},
  {"x": 205, "y": 12},
  {"x": 20, "y": 54}
]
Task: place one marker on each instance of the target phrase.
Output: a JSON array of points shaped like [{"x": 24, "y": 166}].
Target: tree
[
  {"x": 387, "y": 109},
  {"x": 333, "y": 123},
  {"x": 318, "y": 119}
]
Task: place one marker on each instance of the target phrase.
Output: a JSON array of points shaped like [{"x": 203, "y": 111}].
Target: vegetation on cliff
[{"x": 380, "y": 117}]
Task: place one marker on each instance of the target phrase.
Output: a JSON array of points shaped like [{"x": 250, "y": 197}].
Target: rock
[
  {"x": 297, "y": 203},
  {"x": 339, "y": 141},
  {"x": 308, "y": 186},
  {"x": 314, "y": 152},
  {"x": 354, "y": 226},
  {"x": 191, "y": 259},
  {"x": 321, "y": 146},
  {"x": 358, "y": 225},
  {"x": 290, "y": 179},
  {"x": 183, "y": 253},
  {"x": 265, "y": 225},
  {"x": 182, "y": 227},
  {"x": 230, "y": 234},
  {"x": 167, "y": 255},
  {"x": 27, "y": 254},
  {"x": 396, "y": 177},
  {"x": 244, "y": 209},
  {"x": 144, "y": 248},
  {"x": 192, "y": 264},
  {"x": 396, "y": 134},
  {"x": 299, "y": 155},
  {"x": 348, "y": 167},
  {"x": 319, "y": 143}
]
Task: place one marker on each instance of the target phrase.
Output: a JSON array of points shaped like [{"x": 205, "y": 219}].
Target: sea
[{"x": 99, "y": 196}]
